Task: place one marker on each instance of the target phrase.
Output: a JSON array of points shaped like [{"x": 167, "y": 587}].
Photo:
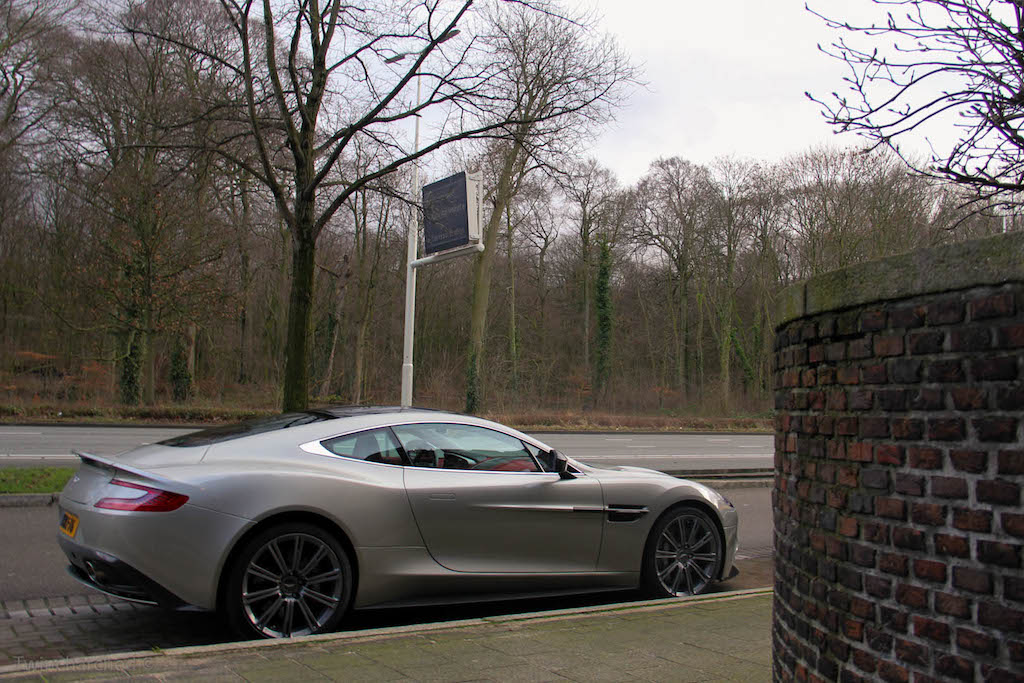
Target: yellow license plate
[{"x": 69, "y": 524}]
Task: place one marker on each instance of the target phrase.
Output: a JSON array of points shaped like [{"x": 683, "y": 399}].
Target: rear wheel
[
  {"x": 289, "y": 580},
  {"x": 683, "y": 554}
]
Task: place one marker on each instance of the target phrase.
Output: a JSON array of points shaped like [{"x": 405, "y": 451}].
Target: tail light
[{"x": 148, "y": 500}]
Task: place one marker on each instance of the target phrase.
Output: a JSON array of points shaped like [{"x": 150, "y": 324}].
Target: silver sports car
[{"x": 286, "y": 523}]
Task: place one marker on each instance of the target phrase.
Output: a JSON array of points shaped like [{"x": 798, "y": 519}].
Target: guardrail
[{"x": 729, "y": 478}]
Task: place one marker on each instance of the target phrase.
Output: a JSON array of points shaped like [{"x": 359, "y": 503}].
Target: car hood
[{"x": 617, "y": 471}]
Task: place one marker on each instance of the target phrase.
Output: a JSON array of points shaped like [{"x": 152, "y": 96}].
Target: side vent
[{"x": 618, "y": 512}]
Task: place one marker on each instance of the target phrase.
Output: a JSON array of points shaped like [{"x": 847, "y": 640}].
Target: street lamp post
[
  {"x": 412, "y": 249},
  {"x": 410, "y": 272}
]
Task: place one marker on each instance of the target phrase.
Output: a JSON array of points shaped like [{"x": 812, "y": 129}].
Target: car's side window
[
  {"x": 375, "y": 445},
  {"x": 464, "y": 447}
]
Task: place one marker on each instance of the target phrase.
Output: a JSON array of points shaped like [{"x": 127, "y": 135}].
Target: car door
[{"x": 483, "y": 504}]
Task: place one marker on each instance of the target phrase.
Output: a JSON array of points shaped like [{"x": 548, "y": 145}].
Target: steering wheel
[{"x": 422, "y": 453}]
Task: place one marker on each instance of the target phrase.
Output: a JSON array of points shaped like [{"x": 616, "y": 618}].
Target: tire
[
  {"x": 683, "y": 555},
  {"x": 292, "y": 579}
]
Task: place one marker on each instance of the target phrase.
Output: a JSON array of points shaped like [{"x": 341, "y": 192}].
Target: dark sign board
[{"x": 445, "y": 214}]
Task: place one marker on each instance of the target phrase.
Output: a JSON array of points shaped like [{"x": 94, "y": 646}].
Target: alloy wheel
[
  {"x": 686, "y": 555},
  {"x": 292, "y": 586}
]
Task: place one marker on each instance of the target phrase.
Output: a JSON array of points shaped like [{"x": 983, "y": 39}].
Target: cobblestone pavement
[
  {"x": 57, "y": 628},
  {"x": 709, "y": 638}
]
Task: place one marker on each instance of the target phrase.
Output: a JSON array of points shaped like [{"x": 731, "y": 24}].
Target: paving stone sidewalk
[
  {"x": 34, "y": 631},
  {"x": 723, "y": 637}
]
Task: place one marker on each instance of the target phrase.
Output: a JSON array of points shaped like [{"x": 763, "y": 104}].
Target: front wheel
[
  {"x": 290, "y": 580},
  {"x": 683, "y": 554}
]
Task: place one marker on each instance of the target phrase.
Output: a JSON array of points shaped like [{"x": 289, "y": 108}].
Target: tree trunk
[
  {"x": 192, "y": 333},
  {"x": 300, "y": 312},
  {"x": 513, "y": 351},
  {"x": 481, "y": 297},
  {"x": 511, "y": 173},
  {"x": 725, "y": 357},
  {"x": 359, "y": 374},
  {"x": 243, "y": 327},
  {"x": 148, "y": 360},
  {"x": 339, "y": 313},
  {"x": 129, "y": 380},
  {"x": 699, "y": 349},
  {"x": 586, "y": 306},
  {"x": 725, "y": 341},
  {"x": 603, "y": 305}
]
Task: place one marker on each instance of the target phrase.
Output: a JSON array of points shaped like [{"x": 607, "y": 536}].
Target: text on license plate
[{"x": 69, "y": 524}]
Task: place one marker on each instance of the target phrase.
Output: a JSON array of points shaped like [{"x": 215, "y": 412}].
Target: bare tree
[
  {"x": 942, "y": 70},
  {"x": 32, "y": 41},
  {"x": 674, "y": 201},
  {"x": 590, "y": 191},
  {"x": 118, "y": 133},
  {"x": 555, "y": 82}
]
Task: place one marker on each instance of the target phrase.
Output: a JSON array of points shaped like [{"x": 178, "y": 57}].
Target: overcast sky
[{"x": 724, "y": 78}]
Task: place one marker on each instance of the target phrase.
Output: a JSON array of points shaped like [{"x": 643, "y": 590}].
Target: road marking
[
  {"x": 38, "y": 455},
  {"x": 751, "y": 446},
  {"x": 617, "y": 438},
  {"x": 718, "y": 440},
  {"x": 5, "y": 433}
]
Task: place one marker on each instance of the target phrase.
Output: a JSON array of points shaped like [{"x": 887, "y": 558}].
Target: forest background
[{"x": 171, "y": 169}]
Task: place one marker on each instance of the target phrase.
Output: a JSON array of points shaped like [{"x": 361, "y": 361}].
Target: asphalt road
[
  {"x": 33, "y": 566},
  {"x": 52, "y": 445}
]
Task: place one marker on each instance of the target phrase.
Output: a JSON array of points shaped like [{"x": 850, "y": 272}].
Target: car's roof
[
  {"x": 356, "y": 411},
  {"x": 319, "y": 422}
]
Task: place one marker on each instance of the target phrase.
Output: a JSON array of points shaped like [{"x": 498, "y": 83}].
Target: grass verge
[{"x": 34, "y": 479}]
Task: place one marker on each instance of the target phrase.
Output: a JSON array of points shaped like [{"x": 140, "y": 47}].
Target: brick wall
[{"x": 899, "y": 461}]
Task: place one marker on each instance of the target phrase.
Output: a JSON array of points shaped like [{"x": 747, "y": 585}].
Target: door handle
[{"x": 441, "y": 496}]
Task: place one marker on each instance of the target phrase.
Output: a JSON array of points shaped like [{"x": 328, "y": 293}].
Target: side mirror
[{"x": 562, "y": 466}]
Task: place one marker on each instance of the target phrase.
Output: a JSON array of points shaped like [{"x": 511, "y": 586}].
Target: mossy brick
[
  {"x": 905, "y": 370},
  {"x": 948, "y": 487},
  {"x": 1012, "y": 523},
  {"x": 1001, "y": 617},
  {"x": 966, "y": 398},
  {"x": 970, "y": 339},
  {"x": 907, "y": 428},
  {"x": 972, "y": 461},
  {"x": 1010, "y": 337},
  {"x": 972, "y": 580},
  {"x": 1010, "y": 398},
  {"x": 976, "y": 641},
  {"x": 926, "y": 342},
  {"x": 952, "y": 545},
  {"x": 1000, "y": 428},
  {"x": 946, "y": 312},
  {"x": 994, "y": 261},
  {"x": 967, "y": 519},
  {"x": 1011, "y": 462},
  {"x": 998, "y": 554},
  {"x": 925, "y": 458},
  {"x": 954, "y": 667},
  {"x": 946, "y": 429},
  {"x": 999, "y": 305},
  {"x": 996, "y": 368},
  {"x": 946, "y": 371}
]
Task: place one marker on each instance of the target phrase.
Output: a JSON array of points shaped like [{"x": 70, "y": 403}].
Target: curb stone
[
  {"x": 389, "y": 632},
  {"x": 27, "y": 500}
]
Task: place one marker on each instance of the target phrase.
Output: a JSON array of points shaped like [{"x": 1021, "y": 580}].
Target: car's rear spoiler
[{"x": 89, "y": 458}]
